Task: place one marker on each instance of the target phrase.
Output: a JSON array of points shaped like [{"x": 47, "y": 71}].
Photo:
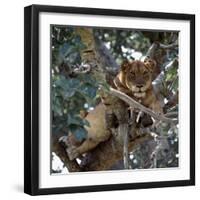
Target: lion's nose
[{"x": 139, "y": 85}]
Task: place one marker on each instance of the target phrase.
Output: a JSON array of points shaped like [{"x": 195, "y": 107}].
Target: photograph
[
  {"x": 109, "y": 99},
  {"x": 114, "y": 99}
]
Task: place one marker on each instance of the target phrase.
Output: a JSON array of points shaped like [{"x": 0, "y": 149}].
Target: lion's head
[{"x": 137, "y": 76}]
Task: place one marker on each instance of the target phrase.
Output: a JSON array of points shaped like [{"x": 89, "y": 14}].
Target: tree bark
[{"x": 60, "y": 151}]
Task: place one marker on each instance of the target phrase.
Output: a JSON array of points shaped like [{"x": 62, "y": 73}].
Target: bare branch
[
  {"x": 168, "y": 46},
  {"x": 172, "y": 114},
  {"x": 171, "y": 64},
  {"x": 152, "y": 50},
  {"x": 135, "y": 104}
]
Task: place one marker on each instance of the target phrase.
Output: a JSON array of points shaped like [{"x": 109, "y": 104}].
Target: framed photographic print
[{"x": 109, "y": 100}]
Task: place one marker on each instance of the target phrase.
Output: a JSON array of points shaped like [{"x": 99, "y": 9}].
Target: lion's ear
[
  {"x": 125, "y": 65},
  {"x": 150, "y": 64}
]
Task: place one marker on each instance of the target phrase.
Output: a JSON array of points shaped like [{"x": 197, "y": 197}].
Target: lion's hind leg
[{"x": 87, "y": 145}]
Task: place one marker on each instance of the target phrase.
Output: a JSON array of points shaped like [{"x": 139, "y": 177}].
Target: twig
[
  {"x": 152, "y": 49},
  {"x": 171, "y": 64},
  {"x": 168, "y": 46},
  {"x": 171, "y": 114},
  {"x": 135, "y": 104}
]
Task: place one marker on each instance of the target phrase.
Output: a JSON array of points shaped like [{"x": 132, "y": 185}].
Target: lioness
[{"x": 134, "y": 79}]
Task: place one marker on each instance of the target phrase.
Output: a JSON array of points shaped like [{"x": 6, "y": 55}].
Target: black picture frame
[{"x": 31, "y": 98}]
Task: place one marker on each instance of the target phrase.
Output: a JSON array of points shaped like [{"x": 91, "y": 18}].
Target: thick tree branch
[
  {"x": 108, "y": 153},
  {"x": 60, "y": 151}
]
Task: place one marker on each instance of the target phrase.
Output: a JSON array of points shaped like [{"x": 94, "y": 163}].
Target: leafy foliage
[{"x": 70, "y": 95}]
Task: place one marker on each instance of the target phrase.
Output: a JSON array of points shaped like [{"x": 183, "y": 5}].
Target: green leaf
[
  {"x": 68, "y": 86},
  {"x": 87, "y": 78},
  {"x": 68, "y": 93},
  {"x": 57, "y": 106},
  {"x": 74, "y": 120},
  {"x": 88, "y": 90},
  {"x": 66, "y": 49}
]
